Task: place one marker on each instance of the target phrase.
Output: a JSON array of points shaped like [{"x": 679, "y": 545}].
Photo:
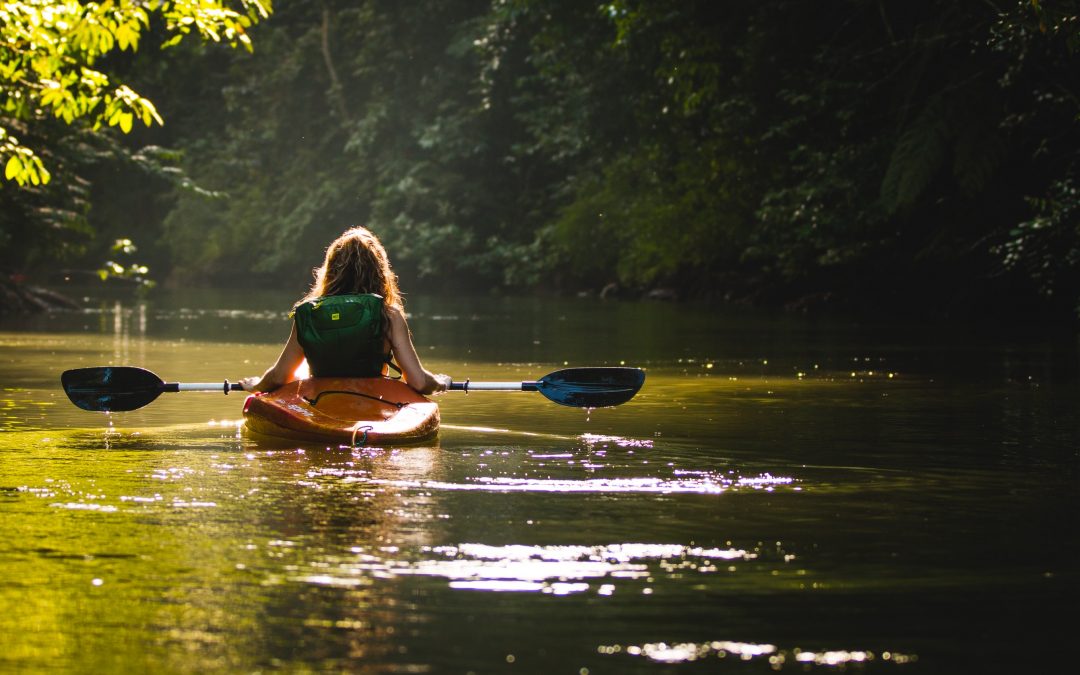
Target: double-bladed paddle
[{"x": 122, "y": 388}]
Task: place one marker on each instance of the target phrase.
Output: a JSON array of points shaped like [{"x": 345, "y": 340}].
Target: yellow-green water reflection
[{"x": 748, "y": 511}]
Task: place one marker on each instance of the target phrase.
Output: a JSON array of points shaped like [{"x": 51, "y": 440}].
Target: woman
[{"x": 351, "y": 323}]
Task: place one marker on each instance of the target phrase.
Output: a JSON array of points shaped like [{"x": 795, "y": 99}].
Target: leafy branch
[{"x": 48, "y": 50}]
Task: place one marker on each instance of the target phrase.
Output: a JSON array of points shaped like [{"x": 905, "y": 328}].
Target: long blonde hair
[{"x": 356, "y": 262}]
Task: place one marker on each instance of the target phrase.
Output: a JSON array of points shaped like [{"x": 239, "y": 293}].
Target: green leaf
[
  {"x": 148, "y": 113},
  {"x": 13, "y": 168}
]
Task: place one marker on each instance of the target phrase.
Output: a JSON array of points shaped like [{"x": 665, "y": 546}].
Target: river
[{"x": 784, "y": 494}]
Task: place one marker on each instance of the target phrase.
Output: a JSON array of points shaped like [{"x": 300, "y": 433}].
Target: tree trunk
[{"x": 336, "y": 91}]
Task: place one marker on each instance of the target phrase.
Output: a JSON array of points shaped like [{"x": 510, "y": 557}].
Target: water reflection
[
  {"x": 517, "y": 567},
  {"x": 781, "y": 496},
  {"x": 198, "y": 505},
  {"x": 703, "y": 485},
  {"x": 686, "y": 652}
]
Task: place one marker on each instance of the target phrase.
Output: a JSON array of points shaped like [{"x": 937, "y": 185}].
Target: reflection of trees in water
[{"x": 331, "y": 599}]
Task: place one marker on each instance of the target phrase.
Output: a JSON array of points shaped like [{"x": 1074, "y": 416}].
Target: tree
[
  {"x": 353, "y": 113},
  {"x": 866, "y": 153},
  {"x": 49, "y": 51},
  {"x": 917, "y": 153},
  {"x": 61, "y": 108}
]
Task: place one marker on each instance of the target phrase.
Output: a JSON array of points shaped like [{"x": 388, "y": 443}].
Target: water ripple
[
  {"x": 701, "y": 485},
  {"x": 553, "y": 569},
  {"x": 684, "y": 652}
]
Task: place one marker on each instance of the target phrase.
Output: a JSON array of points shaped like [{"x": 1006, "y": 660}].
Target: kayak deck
[{"x": 348, "y": 411}]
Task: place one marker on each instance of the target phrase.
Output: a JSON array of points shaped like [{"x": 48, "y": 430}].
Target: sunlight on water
[
  {"x": 700, "y": 483},
  {"x": 558, "y": 570},
  {"x": 777, "y": 658},
  {"x": 600, "y": 439},
  {"x": 641, "y": 485}
]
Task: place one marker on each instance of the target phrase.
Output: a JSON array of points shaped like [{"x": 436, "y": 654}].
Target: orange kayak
[{"x": 348, "y": 411}]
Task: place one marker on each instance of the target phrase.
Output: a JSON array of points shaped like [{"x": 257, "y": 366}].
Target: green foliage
[
  {"x": 766, "y": 150},
  {"x": 133, "y": 271},
  {"x": 1047, "y": 247},
  {"x": 359, "y": 113},
  {"x": 764, "y": 158},
  {"x": 650, "y": 220},
  {"x": 22, "y": 165},
  {"x": 59, "y": 104},
  {"x": 48, "y": 56}
]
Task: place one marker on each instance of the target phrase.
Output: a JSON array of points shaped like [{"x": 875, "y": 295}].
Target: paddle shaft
[
  {"x": 465, "y": 386},
  {"x": 122, "y": 388},
  {"x": 468, "y": 386},
  {"x": 202, "y": 386}
]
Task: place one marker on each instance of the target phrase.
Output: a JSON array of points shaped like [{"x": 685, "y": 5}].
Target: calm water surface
[{"x": 783, "y": 495}]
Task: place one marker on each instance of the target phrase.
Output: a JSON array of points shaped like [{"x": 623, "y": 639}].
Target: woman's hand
[
  {"x": 442, "y": 382},
  {"x": 249, "y": 383}
]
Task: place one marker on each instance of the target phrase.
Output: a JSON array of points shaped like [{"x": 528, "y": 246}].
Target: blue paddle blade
[
  {"x": 111, "y": 388},
  {"x": 591, "y": 387}
]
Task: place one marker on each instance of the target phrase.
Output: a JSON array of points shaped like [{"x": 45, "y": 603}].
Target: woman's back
[{"x": 343, "y": 335}]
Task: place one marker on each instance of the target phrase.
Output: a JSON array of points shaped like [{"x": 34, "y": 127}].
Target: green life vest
[{"x": 342, "y": 335}]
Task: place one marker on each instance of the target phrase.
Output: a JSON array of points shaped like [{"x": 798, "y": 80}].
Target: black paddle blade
[
  {"x": 591, "y": 387},
  {"x": 111, "y": 388}
]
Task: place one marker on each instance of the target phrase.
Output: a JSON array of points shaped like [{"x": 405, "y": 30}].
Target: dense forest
[{"x": 851, "y": 155}]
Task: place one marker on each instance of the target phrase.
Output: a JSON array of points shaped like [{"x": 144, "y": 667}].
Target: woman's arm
[
  {"x": 292, "y": 355},
  {"x": 417, "y": 377}
]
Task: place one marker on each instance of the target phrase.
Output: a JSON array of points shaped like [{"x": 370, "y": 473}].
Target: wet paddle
[
  {"x": 574, "y": 387},
  {"x": 122, "y": 388}
]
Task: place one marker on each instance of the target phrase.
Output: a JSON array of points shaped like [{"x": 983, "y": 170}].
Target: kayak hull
[{"x": 347, "y": 411}]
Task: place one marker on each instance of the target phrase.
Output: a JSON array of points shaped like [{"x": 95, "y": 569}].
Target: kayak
[{"x": 349, "y": 411}]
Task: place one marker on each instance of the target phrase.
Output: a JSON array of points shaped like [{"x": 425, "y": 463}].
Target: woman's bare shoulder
[
  {"x": 396, "y": 318},
  {"x": 395, "y": 314}
]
